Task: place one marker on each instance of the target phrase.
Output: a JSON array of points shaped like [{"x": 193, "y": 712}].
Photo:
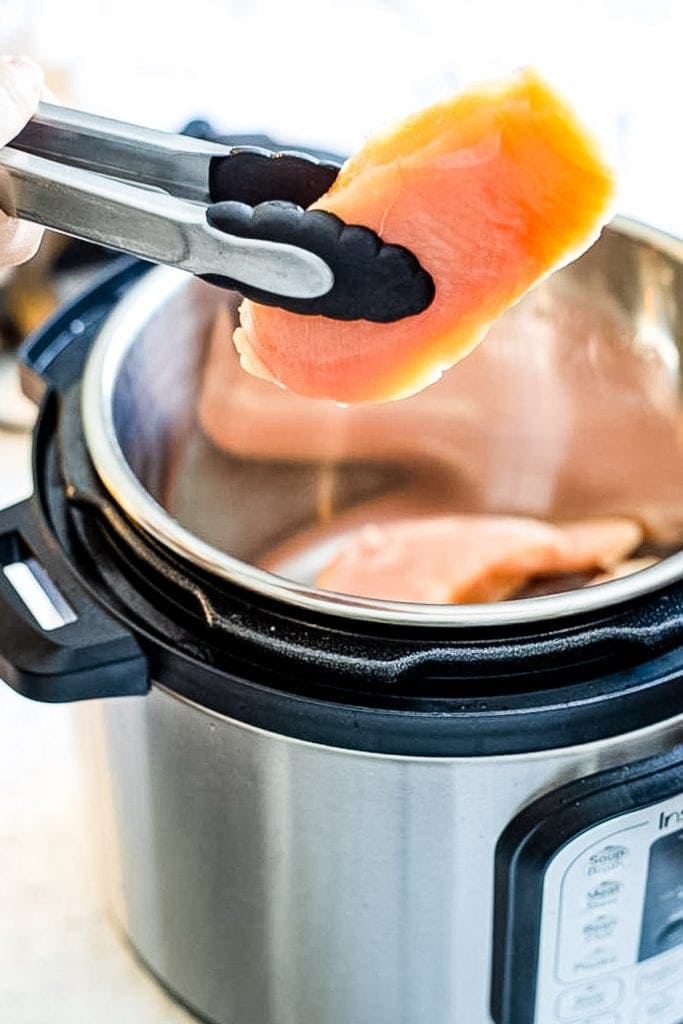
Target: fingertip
[
  {"x": 20, "y": 83},
  {"x": 19, "y": 242},
  {"x": 47, "y": 95}
]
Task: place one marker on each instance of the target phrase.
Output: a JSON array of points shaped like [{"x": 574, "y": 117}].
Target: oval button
[
  {"x": 658, "y": 976},
  {"x": 604, "y": 894},
  {"x": 583, "y": 1000},
  {"x": 612, "y": 857},
  {"x": 660, "y": 1007}
]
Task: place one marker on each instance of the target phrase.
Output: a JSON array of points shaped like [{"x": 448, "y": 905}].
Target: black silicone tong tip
[
  {"x": 253, "y": 175},
  {"x": 373, "y": 280}
]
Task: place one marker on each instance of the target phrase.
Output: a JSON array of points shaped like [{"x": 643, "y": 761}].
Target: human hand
[{"x": 21, "y": 83}]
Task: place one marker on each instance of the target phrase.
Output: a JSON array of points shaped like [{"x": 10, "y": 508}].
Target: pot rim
[{"x": 99, "y": 380}]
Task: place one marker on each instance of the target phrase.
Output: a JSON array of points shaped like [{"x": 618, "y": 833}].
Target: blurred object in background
[{"x": 28, "y": 294}]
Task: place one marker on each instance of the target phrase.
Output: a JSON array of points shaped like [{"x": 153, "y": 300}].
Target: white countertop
[{"x": 61, "y": 959}]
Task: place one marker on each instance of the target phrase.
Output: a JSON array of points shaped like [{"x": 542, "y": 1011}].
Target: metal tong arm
[
  {"x": 152, "y": 225},
  {"x": 177, "y": 164},
  {"x": 183, "y": 166}
]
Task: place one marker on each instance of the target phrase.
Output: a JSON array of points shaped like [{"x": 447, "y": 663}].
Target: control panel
[
  {"x": 611, "y": 947},
  {"x": 589, "y": 911}
]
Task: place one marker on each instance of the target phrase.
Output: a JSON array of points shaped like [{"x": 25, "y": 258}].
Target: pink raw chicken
[
  {"x": 469, "y": 559},
  {"x": 558, "y": 415},
  {"x": 491, "y": 189}
]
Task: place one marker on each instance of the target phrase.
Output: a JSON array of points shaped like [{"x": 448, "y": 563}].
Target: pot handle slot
[{"x": 56, "y": 643}]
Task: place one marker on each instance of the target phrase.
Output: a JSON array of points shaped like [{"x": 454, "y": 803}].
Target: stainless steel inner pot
[{"x": 570, "y": 407}]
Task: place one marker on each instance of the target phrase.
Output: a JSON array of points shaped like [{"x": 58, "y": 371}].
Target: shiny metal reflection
[{"x": 140, "y": 394}]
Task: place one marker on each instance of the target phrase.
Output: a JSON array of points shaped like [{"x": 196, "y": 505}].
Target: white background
[{"x": 329, "y": 72}]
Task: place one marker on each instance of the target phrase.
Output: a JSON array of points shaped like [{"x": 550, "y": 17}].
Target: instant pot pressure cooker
[{"x": 327, "y": 809}]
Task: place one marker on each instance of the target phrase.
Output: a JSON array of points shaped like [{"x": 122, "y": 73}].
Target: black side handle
[{"x": 56, "y": 643}]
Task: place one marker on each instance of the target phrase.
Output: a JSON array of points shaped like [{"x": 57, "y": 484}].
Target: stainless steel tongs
[{"x": 232, "y": 215}]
